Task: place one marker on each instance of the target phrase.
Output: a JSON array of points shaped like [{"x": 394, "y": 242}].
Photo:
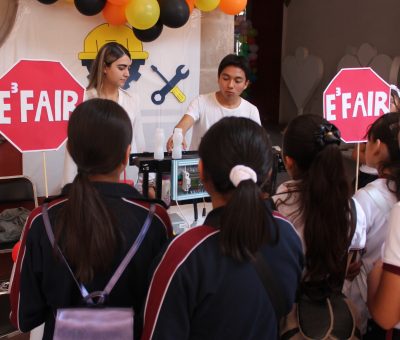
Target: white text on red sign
[
  {"x": 370, "y": 104},
  {"x": 39, "y": 102}
]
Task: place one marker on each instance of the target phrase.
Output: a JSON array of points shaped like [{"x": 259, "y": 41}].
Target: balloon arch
[{"x": 147, "y": 17}]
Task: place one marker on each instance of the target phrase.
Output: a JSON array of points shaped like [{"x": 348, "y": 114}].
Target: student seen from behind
[
  {"x": 95, "y": 222},
  {"x": 206, "y": 285}
]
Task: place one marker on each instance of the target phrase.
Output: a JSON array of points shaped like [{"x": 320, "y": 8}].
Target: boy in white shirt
[{"x": 207, "y": 109}]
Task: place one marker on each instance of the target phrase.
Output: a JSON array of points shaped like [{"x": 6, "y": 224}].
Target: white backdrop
[{"x": 57, "y": 32}]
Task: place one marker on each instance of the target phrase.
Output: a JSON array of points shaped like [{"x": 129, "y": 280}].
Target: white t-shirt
[
  {"x": 368, "y": 170},
  {"x": 206, "y": 111},
  {"x": 391, "y": 248},
  {"x": 376, "y": 201},
  {"x": 290, "y": 209},
  {"x": 391, "y": 251},
  {"x": 130, "y": 103}
]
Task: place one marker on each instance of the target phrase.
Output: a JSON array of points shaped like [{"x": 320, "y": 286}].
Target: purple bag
[{"x": 96, "y": 321}]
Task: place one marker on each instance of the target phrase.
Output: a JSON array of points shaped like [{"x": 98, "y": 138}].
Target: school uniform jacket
[
  {"x": 198, "y": 293},
  {"x": 41, "y": 283}
]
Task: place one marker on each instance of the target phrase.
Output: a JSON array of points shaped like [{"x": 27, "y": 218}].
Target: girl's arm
[
  {"x": 384, "y": 279},
  {"x": 384, "y": 296}
]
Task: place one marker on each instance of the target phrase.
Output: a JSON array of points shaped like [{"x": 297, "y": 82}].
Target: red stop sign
[
  {"x": 36, "y": 100},
  {"x": 353, "y": 100}
]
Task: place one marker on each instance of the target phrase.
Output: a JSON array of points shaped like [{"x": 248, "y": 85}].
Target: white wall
[
  {"x": 217, "y": 40},
  {"x": 328, "y": 29},
  {"x": 57, "y": 32}
]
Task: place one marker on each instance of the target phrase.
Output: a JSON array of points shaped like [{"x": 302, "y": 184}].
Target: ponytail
[
  {"x": 327, "y": 217},
  {"x": 323, "y": 196},
  {"x": 246, "y": 221},
  {"x": 85, "y": 230},
  {"x": 243, "y": 222}
]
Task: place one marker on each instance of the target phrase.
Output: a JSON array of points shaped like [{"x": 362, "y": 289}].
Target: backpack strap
[
  {"x": 271, "y": 285},
  {"x": 122, "y": 266},
  {"x": 132, "y": 251},
  {"x": 50, "y": 235},
  {"x": 351, "y": 255}
]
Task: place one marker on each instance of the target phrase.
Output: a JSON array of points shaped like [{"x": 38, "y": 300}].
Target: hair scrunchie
[
  {"x": 242, "y": 173},
  {"x": 327, "y": 134}
]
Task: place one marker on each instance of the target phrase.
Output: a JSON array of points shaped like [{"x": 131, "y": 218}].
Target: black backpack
[{"x": 327, "y": 316}]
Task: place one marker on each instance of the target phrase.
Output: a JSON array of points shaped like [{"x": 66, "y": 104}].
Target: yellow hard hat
[{"x": 105, "y": 33}]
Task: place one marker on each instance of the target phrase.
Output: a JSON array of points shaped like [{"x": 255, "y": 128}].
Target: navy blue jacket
[
  {"x": 198, "y": 293},
  {"x": 41, "y": 283}
]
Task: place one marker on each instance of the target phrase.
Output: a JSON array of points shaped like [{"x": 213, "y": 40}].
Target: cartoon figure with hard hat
[{"x": 123, "y": 35}]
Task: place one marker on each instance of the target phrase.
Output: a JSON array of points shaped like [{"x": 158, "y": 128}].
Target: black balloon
[
  {"x": 47, "y": 2},
  {"x": 174, "y": 13},
  {"x": 90, "y": 7},
  {"x": 150, "y": 34}
]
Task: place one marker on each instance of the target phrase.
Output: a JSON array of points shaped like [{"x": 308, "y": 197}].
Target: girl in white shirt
[
  {"x": 384, "y": 280},
  {"x": 109, "y": 72},
  {"x": 376, "y": 199},
  {"x": 317, "y": 200}
]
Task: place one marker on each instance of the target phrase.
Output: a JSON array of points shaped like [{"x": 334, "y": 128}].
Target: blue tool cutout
[{"x": 158, "y": 97}]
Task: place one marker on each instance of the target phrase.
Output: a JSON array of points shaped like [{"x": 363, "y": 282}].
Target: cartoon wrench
[
  {"x": 179, "y": 95},
  {"x": 158, "y": 97}
]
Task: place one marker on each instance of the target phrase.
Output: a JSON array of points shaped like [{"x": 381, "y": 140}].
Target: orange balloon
[
  {"x": 118, "y": 2},
  {"x": 190, "y": 4},
  {"x": 114, "y": 15},
  {"x": 15, "y": 250},
  {"x": 232, "y": 7}
]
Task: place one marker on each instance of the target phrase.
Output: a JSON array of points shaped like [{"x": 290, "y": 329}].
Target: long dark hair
[
  {"x": 107, "y": 54},
  {"x": 239, "y": 141},
  {"x": 323, "y": 196},
  {"x": 99, "y": 132},
  {"x": 386, "y": 128}
]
